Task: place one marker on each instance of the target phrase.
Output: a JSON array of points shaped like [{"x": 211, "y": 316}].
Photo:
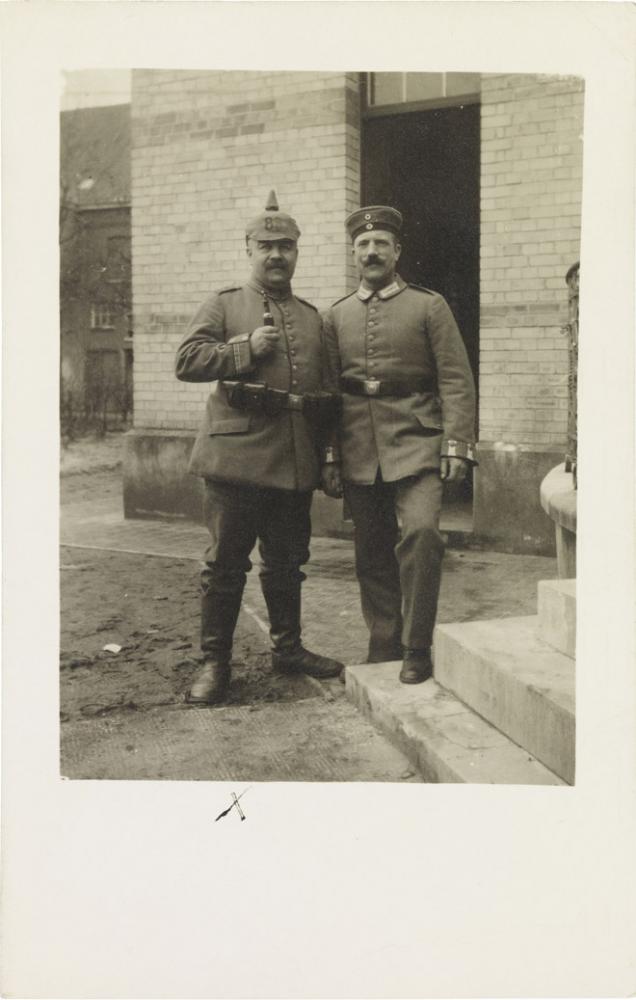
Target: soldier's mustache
[{"x": 373, "y": 260}]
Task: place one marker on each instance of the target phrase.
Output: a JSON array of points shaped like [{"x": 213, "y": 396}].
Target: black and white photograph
[
  {"x": 318, "y": 329},
  {"x": 323, "y": 325}
]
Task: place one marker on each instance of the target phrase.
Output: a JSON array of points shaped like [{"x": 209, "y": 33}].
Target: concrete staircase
[{"x": 500, "y": 709}]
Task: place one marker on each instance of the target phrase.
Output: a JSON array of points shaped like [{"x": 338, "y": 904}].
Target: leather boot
[
  {"x": 210, "y": 682},
  {"x": 416, "y": 666},
  {"x": 289, "y": 654},
  {"x": 303, "y": 661},
  {"x": 220, "y": 606}
]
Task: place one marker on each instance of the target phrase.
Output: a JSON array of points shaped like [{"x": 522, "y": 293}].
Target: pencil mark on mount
[{"x": 235, "y": 802}]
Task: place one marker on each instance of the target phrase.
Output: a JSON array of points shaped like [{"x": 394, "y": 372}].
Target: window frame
[
  {"x": 95, "y": 316},
  {"x": 405, "y": 107}
]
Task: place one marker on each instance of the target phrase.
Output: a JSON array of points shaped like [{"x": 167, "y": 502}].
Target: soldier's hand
[
  {"x": 453, "y": 470},
  {"x": 331, "y": 480},
  {"x": 263, "y": 340}
]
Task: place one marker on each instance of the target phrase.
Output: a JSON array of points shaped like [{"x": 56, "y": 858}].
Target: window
[
  {"x": 118, "y": 259},
  {"x": 384, "y": 89},
  {"x": 102, "y": 316}
]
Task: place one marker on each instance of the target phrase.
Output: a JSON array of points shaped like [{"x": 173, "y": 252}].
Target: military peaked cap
[
  {"x": 272, "y": 224},
  {"x": 373, "y": 217}
]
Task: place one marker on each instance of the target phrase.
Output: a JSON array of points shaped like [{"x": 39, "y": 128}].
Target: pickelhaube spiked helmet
[{"x": 272, "y": 224}]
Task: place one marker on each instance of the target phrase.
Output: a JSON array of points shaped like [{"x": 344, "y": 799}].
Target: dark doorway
[{"x": 426, "y": 164}]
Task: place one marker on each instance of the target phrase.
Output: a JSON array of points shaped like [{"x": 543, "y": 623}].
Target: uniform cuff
[
  {"x": 241, "y": 353},
  {"x": 459, "y": 449},
  {"x": 330, "y": 455}
]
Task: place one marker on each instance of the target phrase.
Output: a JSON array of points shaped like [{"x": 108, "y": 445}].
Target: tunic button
[{"x": 294, "y": 367}]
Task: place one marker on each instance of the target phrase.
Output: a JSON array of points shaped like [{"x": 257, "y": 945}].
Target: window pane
[
  {"x": 462, "y": 83},
  {"x": 102, "y": 317},
  {"x": 386, "y": 88},
  {"x": 118, "y": 259},
  {"x": 424, "y": 86}
]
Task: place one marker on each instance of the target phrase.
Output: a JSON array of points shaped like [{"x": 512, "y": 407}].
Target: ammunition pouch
[{"x": 321, "y": 408}]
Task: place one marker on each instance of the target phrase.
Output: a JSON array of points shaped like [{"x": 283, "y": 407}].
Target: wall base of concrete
[
  {"x": 156, "y": 478},
  {"x": 506, "y": 506},
  {"x": 507, "y": 511},
  {"x": 157, "y": 483}
]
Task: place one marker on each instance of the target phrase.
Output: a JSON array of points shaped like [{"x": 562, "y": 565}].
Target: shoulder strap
[
  {"x": 306, "y": 303},
  {"x": 338, "y": 301}
]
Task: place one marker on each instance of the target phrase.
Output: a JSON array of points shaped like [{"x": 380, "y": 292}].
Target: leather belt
[
  {"x": 386, "y": 387},
  {"x": 260, "y": 397}
]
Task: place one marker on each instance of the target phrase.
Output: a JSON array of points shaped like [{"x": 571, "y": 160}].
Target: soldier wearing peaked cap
[
  {"x": 407, "y": 424},
  {"x": 259, "y": 448}
]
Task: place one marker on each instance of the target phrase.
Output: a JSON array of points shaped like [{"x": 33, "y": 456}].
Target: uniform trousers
[
  {"x": 398, "y": 565},
  {"x": 237, "y": 516}
]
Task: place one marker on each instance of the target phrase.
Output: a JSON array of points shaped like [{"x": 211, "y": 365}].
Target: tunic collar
[
  {"x": 275, "y": 296},
  {"x": 396, "y": 286}
]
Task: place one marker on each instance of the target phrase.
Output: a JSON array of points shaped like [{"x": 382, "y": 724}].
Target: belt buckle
[
  {"x": 372, "y": 386},
  {"x": 294, "y": 401}
]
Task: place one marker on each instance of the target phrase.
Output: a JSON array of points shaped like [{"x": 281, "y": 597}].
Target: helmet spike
[{"x": 272, "y": 203}]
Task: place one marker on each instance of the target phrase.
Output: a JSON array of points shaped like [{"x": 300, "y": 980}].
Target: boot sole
[
  {"x": 415, "y": 680},
  {"x": 285, "y": 668},
  {"x": 216, "y": 700}
]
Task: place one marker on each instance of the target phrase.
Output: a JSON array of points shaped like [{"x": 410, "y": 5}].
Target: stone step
[
  {"x": 557, "y": 614},
  {"x": 442, "y": 737},
  {"x": 518, "y": 683}
]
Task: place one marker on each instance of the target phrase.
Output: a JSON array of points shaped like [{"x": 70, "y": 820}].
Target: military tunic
[
  {"x": 259, "y": 469},
  {"x": 400, "y": 332},
  {"x": 391, "y": 448},
  {"x": 243, "y": 447}
]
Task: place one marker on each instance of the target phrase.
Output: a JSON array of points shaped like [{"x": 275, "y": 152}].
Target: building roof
[{"x": 95, "y": 156}]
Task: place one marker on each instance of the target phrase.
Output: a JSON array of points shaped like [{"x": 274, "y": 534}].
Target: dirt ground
[
  {"x": 149, "y": 607},
  {"x": 123, "y": 713}
]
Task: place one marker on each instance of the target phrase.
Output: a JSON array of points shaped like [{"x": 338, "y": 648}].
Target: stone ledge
[
  {"x": 443, "y": 738},
  {"x": 557, "y": 614},
  {"x": 558, "y": 497},
  {"x": 519, "y": 684}
]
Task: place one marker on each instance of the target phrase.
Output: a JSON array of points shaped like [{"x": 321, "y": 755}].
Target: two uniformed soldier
[
  {"x": 397, "y": 362},
  {"x": 259, "y": 449},
  {"x": 408, "y": 424}
]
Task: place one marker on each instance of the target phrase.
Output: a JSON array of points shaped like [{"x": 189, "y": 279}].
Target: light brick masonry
[
  {"x": 207, "y": 148},
  {"x": 531, "y": 177}
]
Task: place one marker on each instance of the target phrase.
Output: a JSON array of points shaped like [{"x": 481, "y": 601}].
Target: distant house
[{"x": 95, "y": 266}]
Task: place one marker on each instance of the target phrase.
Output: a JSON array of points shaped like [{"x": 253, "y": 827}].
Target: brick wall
[
  {"x": 531, "y": 171},
  {"x": 207, "y": 148}
]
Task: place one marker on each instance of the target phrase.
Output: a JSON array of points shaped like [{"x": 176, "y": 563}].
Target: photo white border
[{"x": 128, "y": 889}]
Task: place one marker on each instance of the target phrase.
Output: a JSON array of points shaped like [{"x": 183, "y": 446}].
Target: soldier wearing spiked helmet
[{"x": 259, "y": 448}]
